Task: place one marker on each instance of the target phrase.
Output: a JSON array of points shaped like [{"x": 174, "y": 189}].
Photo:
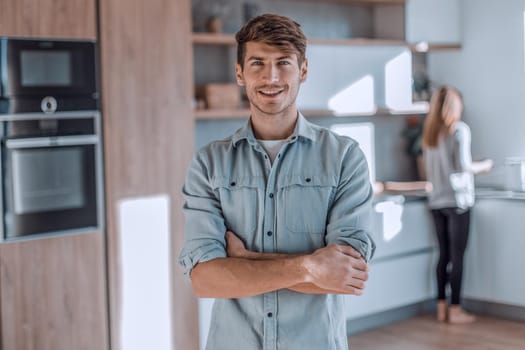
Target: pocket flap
[
  {"x": 308, "y": 181},
  {"x": 232, "y": 183}
]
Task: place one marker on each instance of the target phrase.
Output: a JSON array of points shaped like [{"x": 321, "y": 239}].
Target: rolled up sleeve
[
  {"x": 349, "y": 219},
  {"x": 204, "y": 222}
]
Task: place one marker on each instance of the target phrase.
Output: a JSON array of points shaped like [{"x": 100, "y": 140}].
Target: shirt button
[
  {"x": 271, "y": 195},
  {"x": 270, "y": 314},
  {"x": 269, "y": 233},
  {"x": 308, "y": 179},
  {"x": 232, "y": 183}
]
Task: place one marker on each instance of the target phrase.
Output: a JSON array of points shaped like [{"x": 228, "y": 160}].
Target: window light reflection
[
  {"x": 357, "y": 98},
  {"x": 392, "y": 212},
  {"x": 398, "y": 85}
]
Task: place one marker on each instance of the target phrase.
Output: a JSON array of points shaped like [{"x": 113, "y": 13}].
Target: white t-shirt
[{"x": 272, "y": 147}]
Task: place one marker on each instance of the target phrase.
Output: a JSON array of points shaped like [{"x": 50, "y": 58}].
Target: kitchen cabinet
[
  {"x": 494, "y": 258},
  {"x": 71, "y": 19},
  {"x": 433, "y": 21},
  {"x": 402, "y": 270},
  {"x": 53, "y": 293}
]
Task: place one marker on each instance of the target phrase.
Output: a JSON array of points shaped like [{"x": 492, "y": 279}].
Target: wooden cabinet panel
[
  {"x": 148, "y": 133},
  {"x": 73, "y": 19},
  {"x": 53, "y": 294}
]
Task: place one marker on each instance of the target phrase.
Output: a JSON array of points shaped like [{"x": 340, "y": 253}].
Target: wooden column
[{"x": 148, "y": 131}]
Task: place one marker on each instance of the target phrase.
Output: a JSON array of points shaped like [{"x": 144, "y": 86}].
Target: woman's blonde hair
[{"x": 438, "y": 120}]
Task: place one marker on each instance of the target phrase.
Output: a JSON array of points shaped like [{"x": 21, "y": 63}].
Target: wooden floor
[{"x": 424, "y": 333}]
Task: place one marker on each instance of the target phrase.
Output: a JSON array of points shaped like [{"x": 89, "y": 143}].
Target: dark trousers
[{"x": 452, "y": 229}]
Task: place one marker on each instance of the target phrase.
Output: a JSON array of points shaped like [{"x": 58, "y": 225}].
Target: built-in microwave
[{"x": 47, "y": 75}]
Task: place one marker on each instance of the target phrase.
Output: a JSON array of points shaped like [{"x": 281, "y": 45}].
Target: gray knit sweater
[{"x": 447, "y": 168}]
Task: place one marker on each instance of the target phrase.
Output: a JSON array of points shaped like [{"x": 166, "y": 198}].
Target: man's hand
[{"x": 337, "y": 268}]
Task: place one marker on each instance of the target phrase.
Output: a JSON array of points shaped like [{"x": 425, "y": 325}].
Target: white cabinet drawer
[
  {"x": 395, "y": 283},
  {"x": 494, "y": 257},
  {"x": 402, "y": 228}
]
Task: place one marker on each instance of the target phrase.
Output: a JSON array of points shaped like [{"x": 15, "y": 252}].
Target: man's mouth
[{"x": 271, "y": 92}]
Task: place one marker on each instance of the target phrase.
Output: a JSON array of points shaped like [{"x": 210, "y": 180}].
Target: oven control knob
[{"x": 48, "y": 104}]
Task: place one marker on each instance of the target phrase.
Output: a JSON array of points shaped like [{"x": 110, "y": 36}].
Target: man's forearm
[
  {"x": 306, "y": 288},
  {"x": 331, "y": 269},
  {"x": 241, "y": 277}
]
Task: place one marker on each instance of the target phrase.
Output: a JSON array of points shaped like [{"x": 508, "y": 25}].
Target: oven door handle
[{"x": 59, "y": 141}]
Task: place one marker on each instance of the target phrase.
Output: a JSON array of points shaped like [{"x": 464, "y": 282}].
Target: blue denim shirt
[{"x": 317, "y": 192}]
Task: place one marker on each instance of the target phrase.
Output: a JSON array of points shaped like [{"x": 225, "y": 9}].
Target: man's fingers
[
  {"x": 361, "y": 276},
  {"x": 359, "y": 264},
  {"x": 348, "y": 250}
]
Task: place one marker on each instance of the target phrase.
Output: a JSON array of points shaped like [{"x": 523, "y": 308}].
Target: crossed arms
[
  {"x": 335, "y": 269},
  {"x": 221, "y": 267}
]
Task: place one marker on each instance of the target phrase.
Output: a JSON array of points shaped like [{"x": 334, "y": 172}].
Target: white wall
[{"x": 489, "y": 71}]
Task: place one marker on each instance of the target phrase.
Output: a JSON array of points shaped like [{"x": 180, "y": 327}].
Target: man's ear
[
  {"x": 304, "y": 70},
  {"x": 238, "y": 74}
]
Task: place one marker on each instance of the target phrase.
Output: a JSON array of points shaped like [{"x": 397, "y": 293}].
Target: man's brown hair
[{"x": 273, "y": 30}]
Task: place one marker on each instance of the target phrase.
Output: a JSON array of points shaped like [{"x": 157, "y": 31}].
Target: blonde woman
[{"x": 450, "y": 169}]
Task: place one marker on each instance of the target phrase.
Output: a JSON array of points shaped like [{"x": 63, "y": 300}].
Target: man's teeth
[{"x": 271, "y": 92}]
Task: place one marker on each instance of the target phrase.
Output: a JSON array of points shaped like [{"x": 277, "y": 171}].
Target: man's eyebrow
[{"x": 256, "y": 58}]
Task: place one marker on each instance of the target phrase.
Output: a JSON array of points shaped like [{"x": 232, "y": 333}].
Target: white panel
[
  {"x": 435, "y": 21},
  {"x": 205, "y": 308},
  {"x": 145, "y": 262}
]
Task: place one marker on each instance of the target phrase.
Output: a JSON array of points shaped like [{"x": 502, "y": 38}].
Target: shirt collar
[{"x": 303, "y": 128}]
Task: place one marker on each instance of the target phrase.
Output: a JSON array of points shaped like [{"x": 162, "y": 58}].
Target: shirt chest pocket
[
  {"x": 305, "y": 202},
  {"x": 239, "y": 203}
]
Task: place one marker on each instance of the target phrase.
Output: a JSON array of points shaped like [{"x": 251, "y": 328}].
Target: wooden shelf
[
  {"x": 358, "y": 2},
  {"x": 213, "y": 39},
  {"x": 229, "y": 39},
  {"x": 222, "y": 114},
  {"x": 435, "y": 47},
  {"x": 207, "y": 114}
]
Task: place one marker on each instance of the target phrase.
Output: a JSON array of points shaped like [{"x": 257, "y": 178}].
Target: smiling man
[{"x": 277, "y": 215}]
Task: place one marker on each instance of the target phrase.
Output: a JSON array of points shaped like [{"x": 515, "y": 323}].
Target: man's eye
[
  {"x": 256, "y": 63},
  {"x": 284, "y": 62}
]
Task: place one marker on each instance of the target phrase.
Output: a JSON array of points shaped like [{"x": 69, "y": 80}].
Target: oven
[{"x": 51, "y": 172}]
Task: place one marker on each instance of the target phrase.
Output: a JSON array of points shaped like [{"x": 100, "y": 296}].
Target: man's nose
[{"x": 272, "y": 73}]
